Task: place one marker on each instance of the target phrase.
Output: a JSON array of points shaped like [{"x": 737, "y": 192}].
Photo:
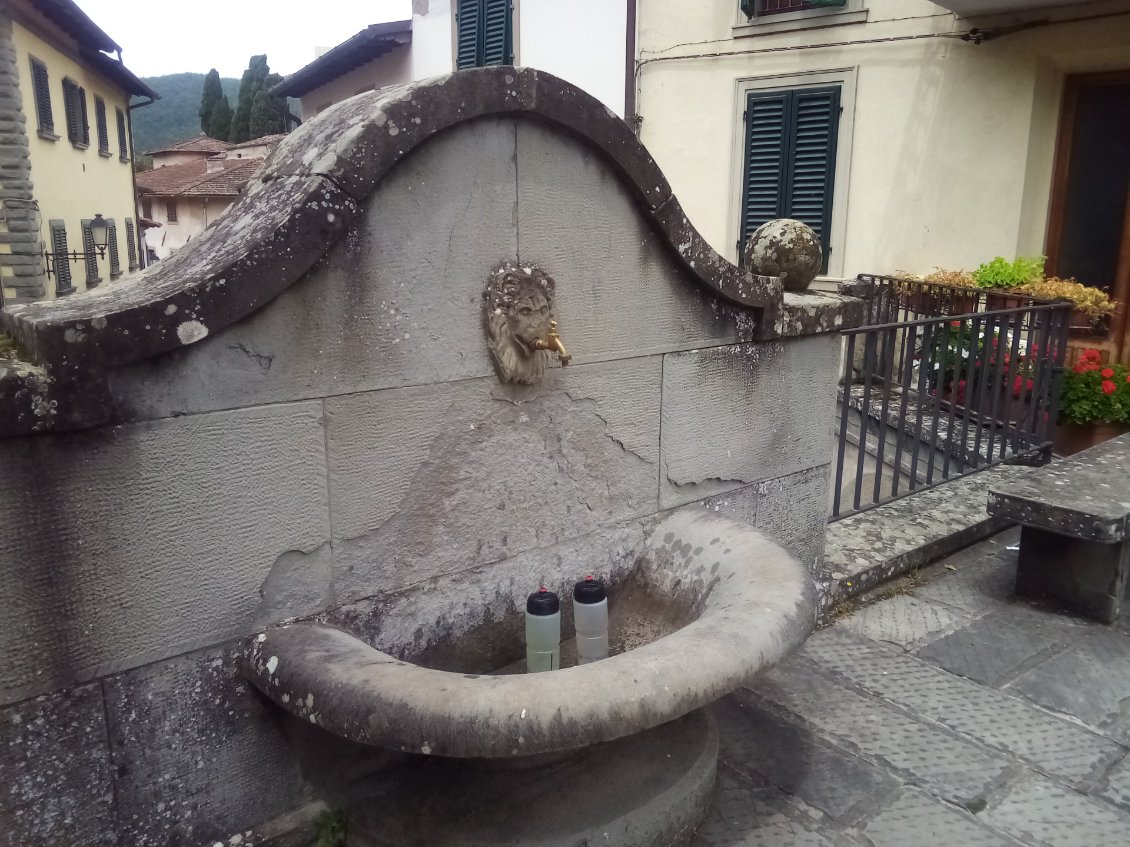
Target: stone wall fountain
[{"x": 323, "y": 453}]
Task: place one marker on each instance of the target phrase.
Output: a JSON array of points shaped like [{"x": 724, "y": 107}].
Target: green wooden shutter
[
  {"x": 85, "y": 127},
  {"x": 112, "y": 242},
  {"x": 467, "y": 24},
  {"x": 123, "y": 143},
  {"x": 103, "y": 128},
  {"x": 497, "y": 38},
  {"x": 747, "y": 7},
  {"x": 790, "y": 159},
  {"x": 131, "y": 244},
  {"x": 812, "y": 172},
  {"x": 63, "y": 282},
  {"x": 90, "y": 255},
  {"x": 70, "y": 108},
  {"x": 42, "y": 91},
  {"x": 766, "y": 159}
]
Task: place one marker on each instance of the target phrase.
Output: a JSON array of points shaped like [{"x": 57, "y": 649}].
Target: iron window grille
[{"x": 778, "y": 7}]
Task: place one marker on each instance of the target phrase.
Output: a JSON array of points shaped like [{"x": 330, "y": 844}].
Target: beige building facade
[
  {"x": 71, "y": 159},
  {"x": 915, "y": 135}
]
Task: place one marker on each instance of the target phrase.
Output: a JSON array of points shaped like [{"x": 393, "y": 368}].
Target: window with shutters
[
  {"x": 103, "y": 127},
  {"x": 789, "y": 158},
  {"x": 41, "y": 88},
  {"x": 74, "y": 105},
  {"x": 147, "y": 209},
  {"x": 171, "y": 211},
  {"x": 780, "y": 7},
  {"x": 484, "y": 33},
  {"x": 123, "y": 139}
]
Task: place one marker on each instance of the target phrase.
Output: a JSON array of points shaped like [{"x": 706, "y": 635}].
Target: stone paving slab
[
  {"x": 743, "y": 815},
  {"x": 915, "y": 818},
  {"x": 770, "y": 750},
  {"x": 905, "y": 621},
  {"x": 856, "y": 742},
  {"x": 950, "y": 767},
  {"x": 987, "y": 716},
  {"x": 1090, "y": 680},
  {"x": 1038, "y": 811},
  {"x": 992, "y": 651},
  {"x": 977, "y": 584}
]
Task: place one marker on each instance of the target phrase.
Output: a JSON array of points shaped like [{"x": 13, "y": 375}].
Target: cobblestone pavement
[{"x": 951, "y": 715}]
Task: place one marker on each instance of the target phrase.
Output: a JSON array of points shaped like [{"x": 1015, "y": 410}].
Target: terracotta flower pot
[
  {"x": 1080, "y": 324},
  {"x": 995, "y": 302},
  {"x": 1072, "y": 438}
]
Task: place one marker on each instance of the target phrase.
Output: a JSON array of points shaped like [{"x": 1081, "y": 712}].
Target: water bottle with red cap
[
  {"x": 590, "y": 614},
  {"x": 543, "y": 631}
]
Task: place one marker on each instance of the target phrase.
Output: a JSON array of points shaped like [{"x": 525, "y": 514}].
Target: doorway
[{"x": 1089, "y": 225}]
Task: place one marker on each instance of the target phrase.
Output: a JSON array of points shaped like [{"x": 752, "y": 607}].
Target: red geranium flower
[
  {"x": 1092, "y": 355},
  {"x": 1108, "y": 372},
  {"x": 1108, "y": 387}
]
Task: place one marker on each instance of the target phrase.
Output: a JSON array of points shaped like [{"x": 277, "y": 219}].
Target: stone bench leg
[{"x": 1084, "y": 576}]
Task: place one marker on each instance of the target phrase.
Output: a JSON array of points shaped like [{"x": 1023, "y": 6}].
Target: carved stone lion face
[{"x": 518, "y": 305}]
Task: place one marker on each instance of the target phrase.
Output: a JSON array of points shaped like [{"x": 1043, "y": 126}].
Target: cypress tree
[
  {"x": 219, "y": 121},
  {"x": 263, "y": 120},
  {"x": 213, "y": 91},
  {"x": 253, "y": 81}
]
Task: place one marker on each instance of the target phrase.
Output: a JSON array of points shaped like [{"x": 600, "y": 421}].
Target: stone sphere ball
[{"x": 786, "y": 248}]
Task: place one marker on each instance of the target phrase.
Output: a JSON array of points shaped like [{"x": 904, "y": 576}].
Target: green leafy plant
[
  {"x": 1001, "y": 273},
  {"x": 1095, "y": 393},
  {"x": 330, "y": 828}
]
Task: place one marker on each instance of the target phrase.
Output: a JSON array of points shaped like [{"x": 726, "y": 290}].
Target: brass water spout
[{"x": 553, "y": 343}]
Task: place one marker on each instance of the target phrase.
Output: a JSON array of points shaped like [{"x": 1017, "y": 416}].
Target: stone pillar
[{"x": 22, "y": 276}]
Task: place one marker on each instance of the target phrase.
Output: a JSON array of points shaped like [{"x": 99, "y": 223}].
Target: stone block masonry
[
  {"x": 300, "y": 417},
  {"x": 22, "y": 274}
]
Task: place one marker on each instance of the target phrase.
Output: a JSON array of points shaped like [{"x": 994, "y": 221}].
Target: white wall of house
[
  {"x": 176, "y": 157},
  {"x": 390, "y": 69},
  {"x": 193, "y": 216},
  {"x": 946, "y": 147},
  {"x": 582, "y": 41}
]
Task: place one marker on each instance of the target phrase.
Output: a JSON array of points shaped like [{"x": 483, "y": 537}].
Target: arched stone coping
[
  {"x": 757, "y": 606},
  {"x": 309, "y": 192}
]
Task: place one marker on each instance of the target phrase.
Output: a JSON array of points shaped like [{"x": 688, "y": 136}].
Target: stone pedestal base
[
  {"x": 648, "y": 790},
  {"x": 1084, "y": 576}
]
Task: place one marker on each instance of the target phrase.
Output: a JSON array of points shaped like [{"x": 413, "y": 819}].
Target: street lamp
[{"x": 99, "y": 235}]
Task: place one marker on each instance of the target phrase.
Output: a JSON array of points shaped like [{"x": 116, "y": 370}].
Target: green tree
[
  {"x": 254, "y": 80},
  {"x": 219, "y": 122},
  {"x": 213, "y": 91},
  {"x": 263, "y": 121}
]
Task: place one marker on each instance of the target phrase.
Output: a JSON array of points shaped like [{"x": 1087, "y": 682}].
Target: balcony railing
[{"x": 941, "y": 382}]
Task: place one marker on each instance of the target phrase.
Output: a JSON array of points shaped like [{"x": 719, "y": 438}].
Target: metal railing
[{"x": 928, "y": 398}]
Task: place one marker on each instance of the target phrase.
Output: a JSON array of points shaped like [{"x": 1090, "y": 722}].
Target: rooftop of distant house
[
  {"x": 200, "y": 144},
  {"x": 214, "y": 177},
  {"x": 370, "y": 43},
  {"x": 94, "y": 44},
  {"x": 263, "y": 140}
]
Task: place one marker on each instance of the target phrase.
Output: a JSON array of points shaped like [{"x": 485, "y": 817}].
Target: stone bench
[{"x": 1075, "y": 514}]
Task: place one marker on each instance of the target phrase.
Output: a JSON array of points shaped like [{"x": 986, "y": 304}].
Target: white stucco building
[
  {"x": 590, "y": 43},
  {"x": 911, "y": 134}
]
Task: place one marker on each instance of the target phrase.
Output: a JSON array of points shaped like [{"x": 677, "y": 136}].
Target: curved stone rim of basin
[
  {"x": 758, "y": 608},
  {"x": 310, "y": 191}
]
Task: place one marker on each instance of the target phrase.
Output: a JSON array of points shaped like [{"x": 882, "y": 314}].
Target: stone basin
[{"x": 705, "y": 604}]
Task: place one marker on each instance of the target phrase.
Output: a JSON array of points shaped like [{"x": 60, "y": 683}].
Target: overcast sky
[{"x": 162, "y": 37}]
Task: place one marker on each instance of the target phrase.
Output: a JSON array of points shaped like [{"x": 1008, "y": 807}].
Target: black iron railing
[{"x": 924, "y": 399}]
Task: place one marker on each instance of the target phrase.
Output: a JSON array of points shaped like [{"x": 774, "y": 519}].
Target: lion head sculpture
[{"x": 518, "y": 309}]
